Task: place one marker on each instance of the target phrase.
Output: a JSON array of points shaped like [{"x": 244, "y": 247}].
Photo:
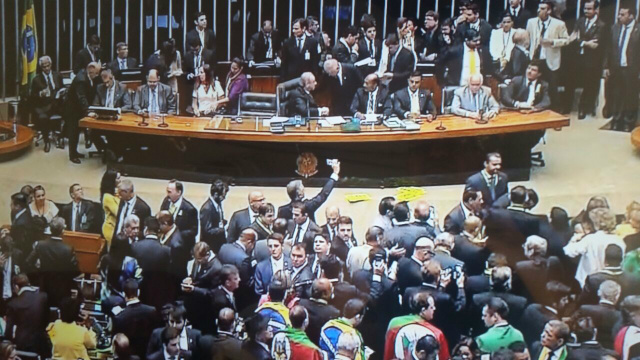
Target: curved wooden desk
[{"x": 21, "y": 141}]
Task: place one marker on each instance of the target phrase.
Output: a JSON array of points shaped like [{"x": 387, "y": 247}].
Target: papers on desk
[
  {"x": 394, "y": 123},
  {"x": 331, "y": 121},
  {"x": 275, "y": 119},
  {"x": 369, "y": 119}
]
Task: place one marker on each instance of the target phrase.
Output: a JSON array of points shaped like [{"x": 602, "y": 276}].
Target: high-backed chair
[
  {"x": 257, "y": 104},
  {"x": 447, "y": 98},
  {"x": 282, "y": 92}
]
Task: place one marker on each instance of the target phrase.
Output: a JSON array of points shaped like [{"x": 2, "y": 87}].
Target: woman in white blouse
[
  {"x": 206, "y": 92},
  {"x": 41, "y": 206}
]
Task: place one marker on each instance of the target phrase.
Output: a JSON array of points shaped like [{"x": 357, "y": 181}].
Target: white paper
[
  {"x": 275, "y": 119},
  {"x": 324, "y": 123},
  {"x": 369, "y": 119},
  {"x": 335, "y": 120},
  {"x": 366, "y": 62}
]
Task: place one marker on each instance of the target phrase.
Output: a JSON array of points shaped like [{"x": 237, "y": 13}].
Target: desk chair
[
  {"x": 257, "y": 104},
  {"x": 447, "y": 98},
  {"x": 282, "y": 92}
]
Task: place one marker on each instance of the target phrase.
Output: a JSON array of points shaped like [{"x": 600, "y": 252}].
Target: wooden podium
[{"x": 87, "y": 247}]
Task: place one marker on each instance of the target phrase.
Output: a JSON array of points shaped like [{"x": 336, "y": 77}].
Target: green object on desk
[{"x": 351, "y": 126}]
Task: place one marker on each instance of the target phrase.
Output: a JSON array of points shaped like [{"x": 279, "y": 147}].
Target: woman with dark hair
[
  {"x": 69, "y": 339},
  {"x": 207, "y": 92},
  {"x": 168, "y": 62},
  {"x": 466, "y": 348},
  {"x": 8, "y": 351},
  {"x": 41, "y": 206},
  {"x": 110, "y": 202},
  {"x": 235, "y": 85}
]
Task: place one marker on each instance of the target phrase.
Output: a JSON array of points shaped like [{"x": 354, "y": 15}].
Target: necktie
[
  {"x": 78, "y": 222},
  {"x": 415, "y": 103},
  {"x": 515, "y": 13},
  {"x": 472, "y": 62},
  {"x": 536, "y": 54},
  {"x": 372, "y": 51},
  {"x": 492, "y": 186},
  {"x": 298, "y": 233},
  {"x": 370, "y": 109},
  {"x": 49, "y": 83},
  {"x": 108, "y": 101},
  {"x": 154, "y": 102},
  {"x": 124, "y": 216},
  {"x": 123, "y": 64},
  {"x": 299, "y": 44},
  {"x": 621, "y": 43},
  {"x": 232, "y": 301},
  {"x": 392, "y": 61},
  {"x": 172, "y": 208}
]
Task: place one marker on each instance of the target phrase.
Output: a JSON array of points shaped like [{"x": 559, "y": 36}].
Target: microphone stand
[
  {"x": 143, "y": 115},
  {"x": 439, "y": 127},
  {"x": 163, "y": 124}
]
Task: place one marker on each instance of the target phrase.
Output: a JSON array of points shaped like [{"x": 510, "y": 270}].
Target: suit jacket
[
  {"x": 629, "y": 284},
  {"x": 517, "y": 64},
  {"x": 209, "y": 38},
  {"x": 484, "y": 31},
  {"x": 296, "y": 61},
  {"x": 517, "y": 90},
  {"x": 311, "y": 205},
  {"x": 114, "y": 65},
  {"x": 516, "y": 304},
  {"x": 83, "y": 58},
  {"x": 55, "y": 256},
  {"x": 478, "y": 182},
  {"x": 80, "y": 96},
  {"x": 557, "y": 32},
  {"x": 140, "y": 209},
  {"x": 39, "y": 83},
  {"x": 405, "y": 235},
  {"x": 301, "y": 103},
  {"x": 264, "y": 274},
  {"x": 137, "y": 321},
  {"x": 363, "y": 53},
  {"x": 605, "y": 317},
  {"x": 226, "y": 347},
  {"x": 206, "y": 57},
  {"x": 472, "y": 255},
  {"x": 239, "y": 221},
  {"x": 155, "y": 342},
  {"x": 29, "y": 314},
  {"x": 402, "y": 69},
  {"x": 633, "y": 59},
  {"x": 186, "y": 219},
  {"x": 520, "y": 18},
  {"x": 87, "y": 218},
  {"x": 533, "y": 276},
  {"x": 121, "y": 98},
  {"x": 166, "y": 99},
  {"x": 340, "y": 249},
  {"x": 302, "y": 281},
  {"x": 255, "y": 350},
  {"x": 234, "y": 254},
  {"x": 534, "y": 318},
  {"x": 508, "y": 230},
  {"x": 589, "y": 350},
  {"x": 591, "y": 58},
  {"x": 463, "y": 101},
  {"x": 454, "y": 221},
  {"x": 212, "y": 226},
  {"x": 409, "y": 273},
  {"x": 431, "y": 40},
  {"x": 258, "y": 46},
  {"x": 343, "y": 94},
  {"x": 449, "y": 65},
  {"x": 307, "y": 237},
  {"x": 402, "y": 102},
  {"x": 343, "y": 292},
  {"x": 382, "y": 106},
  {"x": 319, "y": 313},
  {"x": 343, "y": 54}
]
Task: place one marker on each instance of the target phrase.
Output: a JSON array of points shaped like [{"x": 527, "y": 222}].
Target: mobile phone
[{"x": 332, "y": 162}]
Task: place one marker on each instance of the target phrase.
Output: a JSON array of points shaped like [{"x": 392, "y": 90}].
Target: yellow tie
[
  {"x": 472, "y": 62},
  {"x": 172, "y": 208}
]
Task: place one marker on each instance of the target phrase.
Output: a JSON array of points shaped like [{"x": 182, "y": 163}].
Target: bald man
[
  {"x": 154, "y": 97},
  {"x": 242, "y": 219},
  {"x": 301, "y": 102},
  {"x": 332, "y": 213},
  {"x": 425, "y": 216},
  {"x": 226, "y": 345},
  {"x": 344, "y": 80},
  {"x": 318, "y": 308},
  {"x": 371, "y": 98}
]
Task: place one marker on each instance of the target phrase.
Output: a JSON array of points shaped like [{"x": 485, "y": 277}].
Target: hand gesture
[
  {"x": 360, "y": 116},
  {"x": 397, "y": 252},
  {"x": 336, "y": 167},
  {"x": 429, "y": 117}
]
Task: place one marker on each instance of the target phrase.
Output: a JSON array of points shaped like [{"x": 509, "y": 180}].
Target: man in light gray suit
[
  {"x": 155, "y": 97},
  {"x": 474, "y": 100}
]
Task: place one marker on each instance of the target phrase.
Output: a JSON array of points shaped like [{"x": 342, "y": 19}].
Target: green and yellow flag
[{"x": 28, "y": 46}]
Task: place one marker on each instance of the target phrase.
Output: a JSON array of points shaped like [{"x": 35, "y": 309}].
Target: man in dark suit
[
  {"x": 346, "y": 49},
  {"x": 154, "y": 258},
  {"x": 112, "y": 93},
  {"x": 263, "y": 226},
  {"x": 295, "y": 190},
  {"x": 80, "y": 214},
  {"x": 371, "y": 98},
  {"x": 27, "y": 316},
  {"x": 400, "y": 64},
  {"x": 56, "y": 262},
  {"x": 369, "y": 48},
  {"x": 170, "y": 346},
  {"x": 605, "y": 315},
  {"x": 243, "y": 219},
  {"x": 300, "y": 101},
  {"x": 277, "y": 262},
  {"x": 136, "y": 320},
  {"x": 178, "y": 321},
  {"x": 519, "y": 59},
  {"x": 212, "y": 220},
  {"x": 444, "y": 244},
  {"x": 613, "y": 257},
  {"x": 535, "y": 316},
  {"x": 404, "y": 233},
  {"x": 528, "y": 93},
  {"x": 590, "y": 35},
  {"x": 333, "y": 270},
  {"x": 264, "y": 45},
  {"x": 260, "y": 336},
  {"x": 469, "y": 248},
  {"x": 130, "y": 203},
  {"x": 239, "y": 255},
  {"x": 500, "y": 287},
  {"x": 344, "y": 239},
  {"x": 410, "y": 267},
  {"x": 473, "y": 21},
  {"x": 509, "y": 228},
  {"x": 588, "y": 347},
  {"x": 154, "y": 97},
  {"x": 450, "y": 66},
  {"x": 332, "y": 214},
  {"x": 171, "y": 236},
  {"x": 21, "y": 223},
  {"x": 79, "y": 98},
  {"x": 412, "y": 102},
  {"x": 318, "y": 307},
  {"x": 299, "y": 52},
  {"x": 301, "y": 274},
  {"x": 44, "y": 88},
  {"x": 206, "y": 36},
  {"x": 490, "y": 181},
  {"x": 622, "y": 67},
  {"x": 90, "y": 53},
  {"x": 226, "y": 344},
  {"x": 122, "y": 60},
  {"x": 553, "y": 341},
  {"x": 184, "y": 213},
  {"x": 301, "y": 228},
  {"x": 519, "y": 14},
  {"x": 344, "y": 81},
  {"x": 195, "y": 58},
  {"x": 431, "y": 33}
]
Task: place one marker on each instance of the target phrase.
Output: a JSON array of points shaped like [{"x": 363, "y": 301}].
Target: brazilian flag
[{"x": 28, "y": 47}]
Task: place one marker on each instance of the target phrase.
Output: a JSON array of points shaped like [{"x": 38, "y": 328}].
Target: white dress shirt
[
  {"x": 299, "y": 231},
  {"x": 277, "y": 265},
  {"x": 75, "y": 211},
  {"x": 591, "y": 249},
  {"x": 415, "y": 101},
  {"x": 371, "y": 101}
]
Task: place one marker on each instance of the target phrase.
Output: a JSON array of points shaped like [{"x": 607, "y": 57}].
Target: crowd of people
[
  {"x": 367, "y": 75},
  {"x": 494, "y": 279}
]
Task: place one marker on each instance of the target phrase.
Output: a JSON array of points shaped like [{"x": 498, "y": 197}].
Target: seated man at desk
[
  {"x": 300, "y": 100},
  {"x": 413, "y": 102},
  {"x": 474, "y": 100},
  {"x": 371, "y": 98},
  {"x": 155, "y": 97},
  {"x": 528, "y": 93},
  {"x": 111, "y": 93}
]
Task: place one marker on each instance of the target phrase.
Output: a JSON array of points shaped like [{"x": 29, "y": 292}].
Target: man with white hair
[
  {"x": 444, "y": 244},
  {"x": 519, "y": 57},
  {"x": 535, "y": 272},
  {"x": 301, "y": 102},
  {"x": 80, "y": 97},
  {"x": 605, "y": 314},
  {"x": 130, "y": 203},
  {"x": 344, "y": 81},
  {"x": 410, "y": 268},
  {"x": 474, "y": 100},
  {"x": 43, "y": 97},
  {"x": 347, "y": 347}
]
